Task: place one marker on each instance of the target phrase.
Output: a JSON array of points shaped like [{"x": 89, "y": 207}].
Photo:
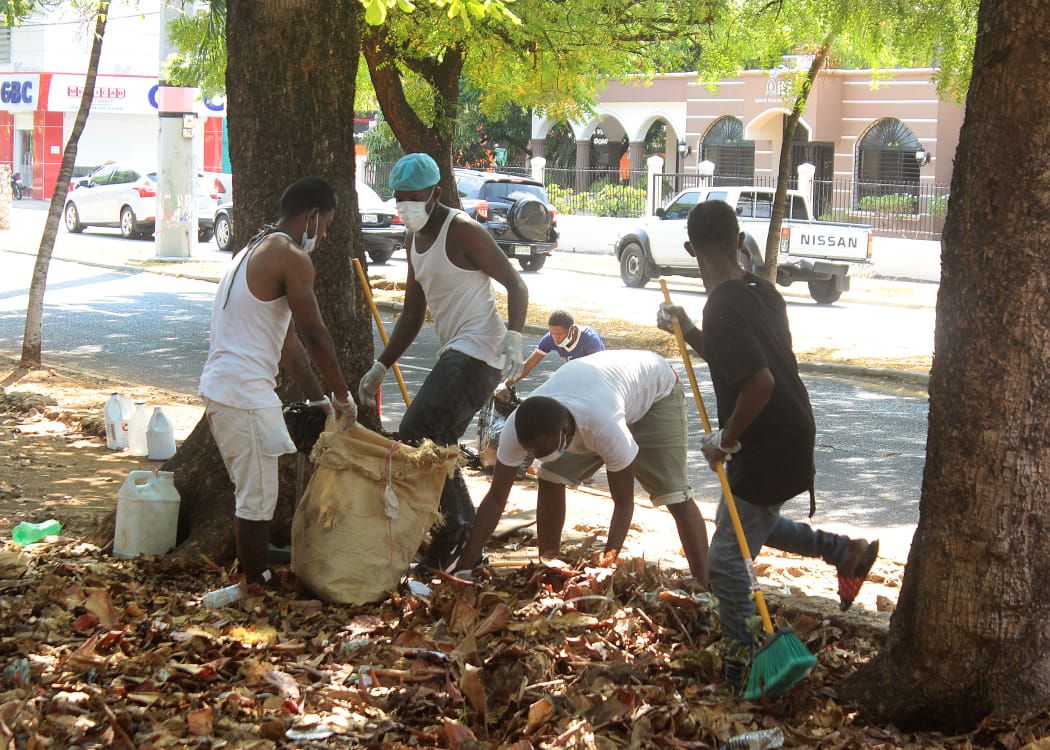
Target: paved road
[{"x": 146, "y": 328}]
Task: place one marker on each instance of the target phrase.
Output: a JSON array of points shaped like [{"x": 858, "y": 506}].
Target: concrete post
[
  {"x": 805, "y": 182},
  {"x": 654, "y": 196},
  {"x": 539, "y": 166},
  {"x": 706, "y": 170},
  {"x": 176, "y": 226}
]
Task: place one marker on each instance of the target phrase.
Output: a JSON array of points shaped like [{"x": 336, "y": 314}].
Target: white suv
[{"x": 124, "y": 195}]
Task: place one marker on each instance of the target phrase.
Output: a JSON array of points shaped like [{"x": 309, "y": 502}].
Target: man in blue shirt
[{"x": 564, "y": 337}]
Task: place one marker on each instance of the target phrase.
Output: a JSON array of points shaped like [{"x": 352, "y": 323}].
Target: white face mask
[
  {"x": 414, "y": 213},
  {"x": 569, "y": 342},
  {"x": 308, "y": 242},
  {"x": 557, "y": 453}
]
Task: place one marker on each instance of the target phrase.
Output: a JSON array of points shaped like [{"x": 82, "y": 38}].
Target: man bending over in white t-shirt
[{"x": 623, "y": 409}]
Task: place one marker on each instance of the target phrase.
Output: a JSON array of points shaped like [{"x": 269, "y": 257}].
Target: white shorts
[{"x": 250, "y": 441}]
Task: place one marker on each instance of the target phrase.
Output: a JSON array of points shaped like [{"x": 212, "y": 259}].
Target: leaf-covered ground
[{"x": 97, "y": 652}]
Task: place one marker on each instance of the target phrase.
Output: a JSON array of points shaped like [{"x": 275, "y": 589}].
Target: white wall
[
  {"x": 116, "y": 137},
  {"x": 59, "y": 41}
]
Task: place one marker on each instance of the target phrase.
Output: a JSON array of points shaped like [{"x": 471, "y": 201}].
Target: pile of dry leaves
[{"x": 98, "y": 652}]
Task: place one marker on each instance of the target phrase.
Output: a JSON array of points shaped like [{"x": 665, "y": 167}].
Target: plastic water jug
[
  {"x": 160, "y": 436},
  {"x": 137, "y": 445},
  {"x": 117, "y": 418},
  {"x": 147, "y": 514}
]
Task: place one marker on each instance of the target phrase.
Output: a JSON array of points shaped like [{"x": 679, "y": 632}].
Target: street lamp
[
  {"x": 684, "y": 149},
  {"x": 922, "y": 157}
]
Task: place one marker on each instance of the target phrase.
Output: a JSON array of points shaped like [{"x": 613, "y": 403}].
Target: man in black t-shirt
[{"x": 765, "y": 425}]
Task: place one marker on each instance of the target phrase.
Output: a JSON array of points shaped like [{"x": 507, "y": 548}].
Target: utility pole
[{"x": 176, "y": 229}]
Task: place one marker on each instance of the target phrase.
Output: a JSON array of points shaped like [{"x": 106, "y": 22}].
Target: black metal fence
[{"x": 909, "y": 210}]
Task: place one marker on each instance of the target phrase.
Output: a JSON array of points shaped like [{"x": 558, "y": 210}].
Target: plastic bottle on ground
[
  {"x": 222, "y": 597},
  {"x": 27, "y": 533},
  {"x": 117, "y": 417},
  {"x": 137, "y": 445},
  {"x": 160, "y": 436},
  {"x": 763, "y": 739}
]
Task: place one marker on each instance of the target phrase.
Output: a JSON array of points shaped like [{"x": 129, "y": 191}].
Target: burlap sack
[{"x": 365, "y": 512}]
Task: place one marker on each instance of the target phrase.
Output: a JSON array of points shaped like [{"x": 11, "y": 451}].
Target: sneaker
[
  {"x": 268, "y": 580},
  {"x": 446, "y": 560},
  {"x": 855, "y": 570}
]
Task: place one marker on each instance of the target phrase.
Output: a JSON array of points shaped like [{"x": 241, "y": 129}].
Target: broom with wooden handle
[
  {"x": 783, "y": 659},
  {"x": 379, "y": 322}
]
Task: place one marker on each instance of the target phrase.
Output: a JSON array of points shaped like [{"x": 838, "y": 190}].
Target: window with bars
[
  {"x": 886, "y": 163},
  {"x": 725, "y": 147}
]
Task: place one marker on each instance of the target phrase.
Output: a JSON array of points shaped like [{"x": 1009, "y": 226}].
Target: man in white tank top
[
  {"x": 451, "y": 262},
  {"x": 270, "y": 283}
]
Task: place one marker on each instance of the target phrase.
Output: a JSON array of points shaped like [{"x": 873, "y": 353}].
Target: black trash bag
[{"x": 305, "y": 424}]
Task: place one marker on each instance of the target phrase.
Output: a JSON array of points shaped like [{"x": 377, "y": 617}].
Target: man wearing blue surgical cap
[{"x": 451, "y": 261}]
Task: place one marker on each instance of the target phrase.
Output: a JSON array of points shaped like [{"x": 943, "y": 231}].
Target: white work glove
[
  {"x": 370, "y": 382},
  {"x": 666, "y": 315},
  {"x": 713, "y": 449},
  {"x": 326, "y": 405},
  {"x": 502, "y": 392},
  {"x": 345, "y": 411},
  {"x": 513, "y": 362}
]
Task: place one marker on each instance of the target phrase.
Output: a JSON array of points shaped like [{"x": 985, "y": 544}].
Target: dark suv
[{"x": 516, "y": 212}]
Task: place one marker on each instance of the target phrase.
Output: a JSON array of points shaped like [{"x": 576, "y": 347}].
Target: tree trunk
[
  {"x": 776, "y": 219},
  {"x": 409, "y": 128},
  {"x": 970, "y": 634},
  {"x": 290, "y": 77},
  {"x": 34, "y": 329}
]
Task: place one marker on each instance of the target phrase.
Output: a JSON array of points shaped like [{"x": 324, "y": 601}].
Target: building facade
[
  {"x": 868, "y": 133},
  {"x": 43, "y": 66}
]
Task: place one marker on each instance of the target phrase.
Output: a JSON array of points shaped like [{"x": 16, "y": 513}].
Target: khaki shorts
[
  {"x": 660, "y": 466},
  {"x": 250, "y": 440}
]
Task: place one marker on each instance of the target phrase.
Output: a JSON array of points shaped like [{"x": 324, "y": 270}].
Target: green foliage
[
  {"x": 603, "y": 199},
  {"x": 462, "y": 11},
  {"x": 895, "y": 203},
  {"x": 937, "y": 205}
]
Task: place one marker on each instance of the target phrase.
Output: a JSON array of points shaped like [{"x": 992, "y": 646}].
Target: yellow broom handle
[
  {"x": 727, "y": 493},
  {"x": 379, "y": 322}
]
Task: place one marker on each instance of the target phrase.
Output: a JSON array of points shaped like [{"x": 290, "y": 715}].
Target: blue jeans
[
  {"x": 763, "y": 525},
  {"x": 454, "y": 391}
]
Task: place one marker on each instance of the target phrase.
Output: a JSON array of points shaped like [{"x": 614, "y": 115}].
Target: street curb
[
  {"x": 818, "y": 368},
  {"x": 826, "y": 368}
]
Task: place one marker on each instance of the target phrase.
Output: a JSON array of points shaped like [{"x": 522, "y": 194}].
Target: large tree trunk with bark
[
  {"x": 32, "y": 338},
  {"x": 290, "y": 84},
  {"x": 971, "y": 631},
  {"x": 442, "y": 73}
]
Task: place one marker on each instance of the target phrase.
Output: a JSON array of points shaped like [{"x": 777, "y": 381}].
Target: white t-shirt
[{"x": 605, "y": 392}]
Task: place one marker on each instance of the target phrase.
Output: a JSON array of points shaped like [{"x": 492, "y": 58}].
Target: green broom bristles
[{"x": 779, "y": 665}]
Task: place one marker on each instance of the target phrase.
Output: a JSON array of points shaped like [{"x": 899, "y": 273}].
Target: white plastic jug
[
  {"x": 147, "y": 514},
  {"x": 160, "y": 436},
  {"x": 117, "y": 418},
  {"x": 137, "y": 430}
]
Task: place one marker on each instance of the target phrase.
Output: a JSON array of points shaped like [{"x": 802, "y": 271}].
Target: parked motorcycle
[{"x": 16, "y": 186}]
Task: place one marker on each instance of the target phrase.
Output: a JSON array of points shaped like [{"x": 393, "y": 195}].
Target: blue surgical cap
[{"x": 414, "y": 172}]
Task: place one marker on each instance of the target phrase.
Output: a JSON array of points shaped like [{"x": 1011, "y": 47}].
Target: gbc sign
[{"x": 18, "y": 92}]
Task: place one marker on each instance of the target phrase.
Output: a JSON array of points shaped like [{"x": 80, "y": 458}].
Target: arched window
[
  {"x": 733, "y": 157},
  {"x": 886, "y": 163}
]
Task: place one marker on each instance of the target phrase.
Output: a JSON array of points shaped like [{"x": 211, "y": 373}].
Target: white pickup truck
[{"x": 818, "y": 252}]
